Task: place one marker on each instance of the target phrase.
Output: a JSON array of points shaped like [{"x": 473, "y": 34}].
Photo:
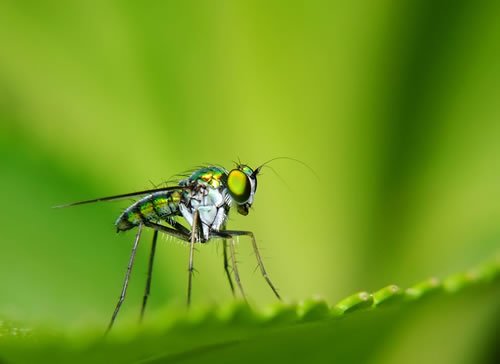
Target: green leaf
[{"x": 350, "y": 330}]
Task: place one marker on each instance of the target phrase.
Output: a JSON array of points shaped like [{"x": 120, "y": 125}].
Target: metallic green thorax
[{"x": 212, "y": 176}]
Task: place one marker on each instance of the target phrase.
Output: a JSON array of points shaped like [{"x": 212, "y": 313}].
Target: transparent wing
[{"x": 123, "y": 196}]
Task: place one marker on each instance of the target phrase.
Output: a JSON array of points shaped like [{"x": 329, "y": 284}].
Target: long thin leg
[
  {"x": 150, "y": 274},
  {"x": 226, "y": 267},
  {"x": 257, "y": 255},
  {"x": 191, "y": 255},
  {"x": 127, "y": 277},
  {"x": 235, "y": 268}
]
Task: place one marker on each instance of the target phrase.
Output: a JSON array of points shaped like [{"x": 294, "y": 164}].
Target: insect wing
[{"x": 123, "y": 196}]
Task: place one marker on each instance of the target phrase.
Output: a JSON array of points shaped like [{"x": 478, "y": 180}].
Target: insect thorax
[{"x": 209, "y": 196}]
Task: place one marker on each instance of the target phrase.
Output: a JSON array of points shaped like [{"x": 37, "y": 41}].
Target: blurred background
[{"x": 393, "y": 104}]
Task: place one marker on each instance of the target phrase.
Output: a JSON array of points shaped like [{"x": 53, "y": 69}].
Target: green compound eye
[{"x": 238, "y": 185}]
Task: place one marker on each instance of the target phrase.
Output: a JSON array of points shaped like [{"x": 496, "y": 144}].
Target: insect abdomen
[{"x": 154, "y": 207}]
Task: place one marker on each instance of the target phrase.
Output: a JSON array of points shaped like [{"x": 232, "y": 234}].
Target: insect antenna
[
  {"x": 257, "y": 170},
  {"x": 279, "y": 177}
]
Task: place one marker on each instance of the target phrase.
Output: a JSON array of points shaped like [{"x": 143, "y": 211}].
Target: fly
[{"x": 203, "y": 201}]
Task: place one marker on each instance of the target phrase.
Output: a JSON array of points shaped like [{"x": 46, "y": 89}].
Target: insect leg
[
  {"x": 179, "y": 227},
  {"x": 167, "y": 230},
  {"x": 181, "y": 234},
  {"x": 150, "y": 274},
  {"x": 127, "y": 277},
  {"x": 191, "y": 254},
  {"x": 257, "y": 255},
  {"x": 235, "y": 268},
  {"x": 226, "y": 266}
]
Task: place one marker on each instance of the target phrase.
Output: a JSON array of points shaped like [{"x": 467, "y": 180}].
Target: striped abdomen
[{"x": 154, "y": 207}]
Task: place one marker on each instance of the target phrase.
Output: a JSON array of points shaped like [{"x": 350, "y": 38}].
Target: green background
[{"x": 393, "y": 104}]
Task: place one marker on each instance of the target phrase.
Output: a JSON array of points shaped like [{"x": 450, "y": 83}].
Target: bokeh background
[{"x": 395, "y": 105}]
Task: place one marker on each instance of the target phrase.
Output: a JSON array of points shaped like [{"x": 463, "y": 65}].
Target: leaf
[{"x": 353, "y": 330}]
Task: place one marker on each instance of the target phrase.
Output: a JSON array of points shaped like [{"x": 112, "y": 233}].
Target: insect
[{"x": 203, "y": 201}]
